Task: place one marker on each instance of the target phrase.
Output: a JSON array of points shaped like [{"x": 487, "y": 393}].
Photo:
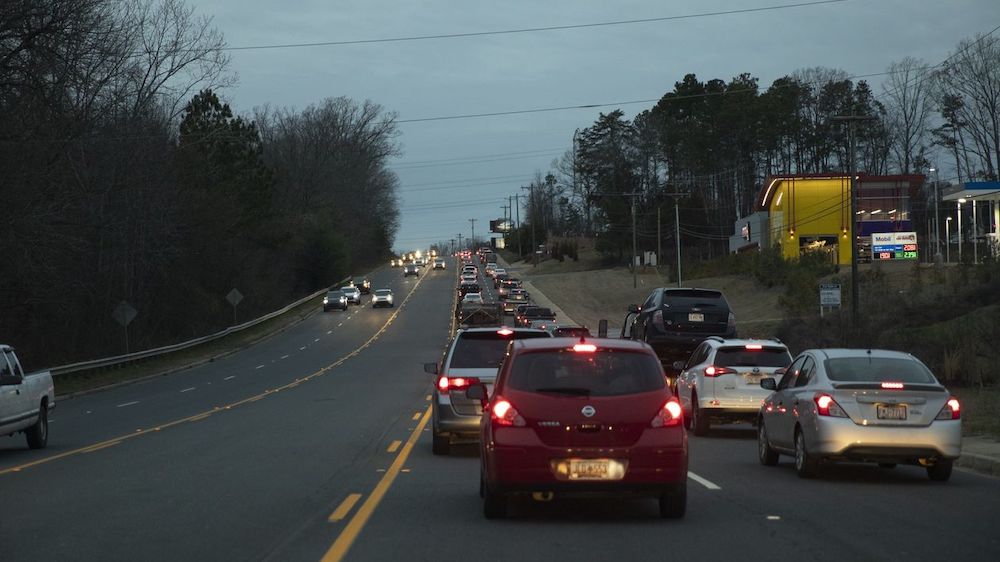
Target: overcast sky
[{"x": 454, "y": 170}]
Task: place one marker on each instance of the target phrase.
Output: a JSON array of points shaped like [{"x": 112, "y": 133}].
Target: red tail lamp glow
[
  {"x": 754, "y": 346},
  {"x": 893, "y": 385},
  {"x": 669, "y": 415},
  {"x": 505, "y": 331},
  {"x": 585, "y": 348}
]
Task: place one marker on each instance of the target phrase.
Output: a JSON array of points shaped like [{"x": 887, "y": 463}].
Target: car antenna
[{"x": 869, "y": 356}]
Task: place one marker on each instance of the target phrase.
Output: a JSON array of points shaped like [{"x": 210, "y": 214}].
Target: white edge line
[
  {"x": 229, "y": 378},
  {"x": 127, "y": 404},
  {"x": 284, "y": 357},
  {"x": 259, "y": 367},
  {"x": 188, "y": 389},
  {"x": 706, "y": 483}
]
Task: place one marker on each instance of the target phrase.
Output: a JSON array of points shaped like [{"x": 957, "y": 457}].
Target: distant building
[
  {"x": 812, "y": 212},
  {"x": 750, "y": 233}
]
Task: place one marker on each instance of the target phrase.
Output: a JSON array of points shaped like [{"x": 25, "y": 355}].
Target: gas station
[{"x": 972, "y": 215}]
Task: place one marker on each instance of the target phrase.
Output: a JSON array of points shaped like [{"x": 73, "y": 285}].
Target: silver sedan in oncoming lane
[{"x": 859, "y": 405}]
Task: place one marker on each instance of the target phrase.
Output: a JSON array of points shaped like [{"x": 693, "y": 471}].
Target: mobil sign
[{"x": 894, "y": 246}]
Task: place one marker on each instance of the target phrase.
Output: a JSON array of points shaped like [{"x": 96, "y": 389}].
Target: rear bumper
[
  {"x": 447, "y": 421},
  {"x": 838, "y": 438},
  {"x": 678, "y": 345},
  {"x": 730, "y": 413}
]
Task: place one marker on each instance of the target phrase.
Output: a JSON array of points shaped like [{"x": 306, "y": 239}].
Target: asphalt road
[{"x": 338, "y": 466}]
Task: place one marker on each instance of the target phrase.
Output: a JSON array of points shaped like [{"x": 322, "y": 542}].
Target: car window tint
[
  {"x": 690, "y": 297},
  {"x": 698, "y": 352},
  {"x": 650, "y": 301},
  {"x": 789, "y": 375},
  {"x": 604, "y": 373},
  {"x": 482, "y": 350},
  {"x": 743, "y": 357},
  {"x": 4, "y": 366},
  {"x": 806, "y": 373},
  {"x": 878, "y": 369}
]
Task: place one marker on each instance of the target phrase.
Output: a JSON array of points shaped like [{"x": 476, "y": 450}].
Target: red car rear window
[{"x": 600, "y": 373}]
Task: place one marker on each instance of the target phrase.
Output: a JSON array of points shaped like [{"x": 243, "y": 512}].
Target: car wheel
[
  {"x": 887, "y": 465},
  {"x": 673, "y": 504},
  {"x": 441, "y": 444},
  {"x": 940, "y": 471},
  {"x": 806, "y": 465},
  {"x": 494, "y": 503},
  {"x": 699, "y": 422},
  {"x": 765, "y": 454},
  {"x": 38, "y": 434}
]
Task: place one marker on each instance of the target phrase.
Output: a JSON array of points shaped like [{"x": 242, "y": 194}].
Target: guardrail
[{"x": 119, "y": 359}]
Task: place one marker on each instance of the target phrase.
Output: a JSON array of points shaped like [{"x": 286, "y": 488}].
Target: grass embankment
[
  {"x": 98, "y": 378},
  {"x": 948, "y": 317}
]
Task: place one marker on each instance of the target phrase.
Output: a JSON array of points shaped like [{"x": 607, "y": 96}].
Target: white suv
[{"x": 721, "y": 380}]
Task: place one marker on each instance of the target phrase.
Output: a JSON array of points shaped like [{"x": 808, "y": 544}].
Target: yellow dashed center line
[
  {"x": 344, "y": 508},
  {"x": 416, "y": 416},
  {"x": 394, "y": 446}
]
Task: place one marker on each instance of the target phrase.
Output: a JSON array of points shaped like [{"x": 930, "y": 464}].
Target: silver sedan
[{"x": 859, "y": 405}]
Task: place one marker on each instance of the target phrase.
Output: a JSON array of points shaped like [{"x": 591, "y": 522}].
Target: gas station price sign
[{"x": 894, "y": 246}]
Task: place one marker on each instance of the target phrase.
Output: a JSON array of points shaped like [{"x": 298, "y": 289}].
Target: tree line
[
  {"x": 126, "y": 177},
  {"x": 711, "y": 143}
]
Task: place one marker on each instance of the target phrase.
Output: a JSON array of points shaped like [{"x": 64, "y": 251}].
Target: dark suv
[{"x": 675, "y": 321}]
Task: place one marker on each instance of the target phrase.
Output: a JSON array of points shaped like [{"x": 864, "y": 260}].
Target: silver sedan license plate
[
  {"x": 589, "y": 469},
  {"x": 891, "y": 411},
  {"x": 696, "y": 317}
]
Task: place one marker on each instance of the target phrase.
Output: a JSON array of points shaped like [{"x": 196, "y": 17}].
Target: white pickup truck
[{"x": 25, "y": 400}]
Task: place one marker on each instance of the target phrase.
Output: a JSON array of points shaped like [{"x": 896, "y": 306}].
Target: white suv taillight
[
  {"x": 669, "y": 415},
  {"x": 827, "y": 406},
  {"x": 504, "y": 413},
  {"x": 952, "y": 410}
]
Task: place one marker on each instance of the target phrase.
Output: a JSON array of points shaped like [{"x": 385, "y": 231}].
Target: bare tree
[{"x": 907, "y": 99}]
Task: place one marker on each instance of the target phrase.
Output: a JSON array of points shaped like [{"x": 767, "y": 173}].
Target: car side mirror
[
  {"x": 477, "y": 392},
  {"x": 431, "y": 368},
  {"x": 768, "y": 383},
  {"x": 678, "y": 366},
  {"x": 602, "y": 328},
  {"x": 633, "y": 309}
]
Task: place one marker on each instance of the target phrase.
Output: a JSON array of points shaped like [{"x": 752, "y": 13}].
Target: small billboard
[{"x": 894, "y": 246}]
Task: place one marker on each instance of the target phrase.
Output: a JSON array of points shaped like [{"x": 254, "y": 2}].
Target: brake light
[
  {"x": 658, "y": 320},
  {"x": 584, "y": 348},
  {"x": 447, "y": 384},
  {"x": 503, "y": 413},
  {"x": 713, "y": 371},
  {"x": 892, "y": 385},
  {"x": 827, "y": 406},
  {"x": 952, "y": 410},
  {"x": 754, "y": 346},
  {"x": 669, "y": 415},
  {"x": 505, "y": 331}
]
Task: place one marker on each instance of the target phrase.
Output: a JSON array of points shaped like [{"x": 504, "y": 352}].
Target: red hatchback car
[{"x": 582, "y": 416}]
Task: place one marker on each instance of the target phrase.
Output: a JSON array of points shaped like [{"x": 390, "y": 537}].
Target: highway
[{"x": 313, "y": 445}]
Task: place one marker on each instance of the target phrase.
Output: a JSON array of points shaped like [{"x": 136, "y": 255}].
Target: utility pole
[
  {"x": 473, "y": 221},
  {"x": 633, "y": 195},
  {"x": 460, "y": 247},
  {"x": 453, "y": 249},
  {"x": 852, "y": 121},
  {"x": 517, "y": 207},
  {"x": 534, "y": 219},
  {"x": 659, "y": 239},
  {"x": 677, "y": 232}
]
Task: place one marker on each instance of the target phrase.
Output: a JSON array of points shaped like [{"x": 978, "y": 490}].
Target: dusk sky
[{"x": 453, "y": 170}]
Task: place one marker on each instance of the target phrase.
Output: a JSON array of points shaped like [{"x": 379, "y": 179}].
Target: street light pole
[
  {"x": 473, "y": 221},
  {"x": 959, "y": 226},
  {"x": 947, "y": 240},
  {"x": 937, "y": 215},
  {"x": 534, "y": 219},
  {"x": 460, "y": 241}
]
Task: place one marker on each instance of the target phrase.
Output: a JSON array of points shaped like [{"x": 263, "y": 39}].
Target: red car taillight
[
  {"x": 447, "y": 384},
  {"x": 504, "y": 413},
  {"x": 827, "y": 406},
  {"x": 669, "y": 415},
  {"x": 952, "y": 410},
  {"x": 713, "y": 371}
]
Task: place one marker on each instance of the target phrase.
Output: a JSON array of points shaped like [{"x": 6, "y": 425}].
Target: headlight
[{"x": 326, "y": 300}]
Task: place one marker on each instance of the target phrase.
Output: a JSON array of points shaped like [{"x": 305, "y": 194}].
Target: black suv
[
  {"x": 363, "y": 284},
  {"x": 675, "y": 321}
]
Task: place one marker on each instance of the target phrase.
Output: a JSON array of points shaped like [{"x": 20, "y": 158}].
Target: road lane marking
[
  {"x": 101, "y": 446},
  {"x": 188, "y": 389},
  {"x": 344, "y": 508},
  {"x": 339, "y": 325},
  {"x": 427, "y": 398},
  {"x": 284, "y": 357},
  {"x": 203, "y": 415},
  {"x": 328, "y": 332},
  {"x": 259, "y": 367},
  {"x": 315, "y": 340},
  {"x": 229, "y": 378},
  {"x": 132, "y": 403},
  {"x": 774, "y": 518},
  {"x": 394, "y": 446},
  {"x": 706, "y": 483},
  {"x": 416, "y": 416},
  {"x": 303, "y": 348},
  {"x": 350, "y": 533}
]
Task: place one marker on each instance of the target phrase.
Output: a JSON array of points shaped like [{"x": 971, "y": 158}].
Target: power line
[
  {"x": 523, "y": 152},
  {"x": 526, "y": 29}
]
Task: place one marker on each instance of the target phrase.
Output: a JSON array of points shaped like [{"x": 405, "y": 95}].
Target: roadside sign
[
  {"x": 829, "y": 294},
  {"x": 894, "y": 246},
  {"x": 234, "y": 297},
  {"x": 124, "y": 314}
]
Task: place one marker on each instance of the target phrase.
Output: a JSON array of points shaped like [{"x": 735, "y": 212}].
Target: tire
[
  {"x": 494, "y": 503},
  {"x": 887, "y": 465},
  {"x": 806, "y": 465},
  {"x": 765, "y": 454},
  {"x": 699, "y": 422},
  {"x": 38, "y": 434},
  {"x": 441, "y": 444},
  {"x": 941, "y": 470},
  {"x": 673, "y": 504}
]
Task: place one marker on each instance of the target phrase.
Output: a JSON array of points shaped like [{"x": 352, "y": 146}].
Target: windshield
[
  {"x": 743, "y": 357},
  {"x": 603, "y": 373},
  {"x": 878, "y": 369},
  {"x": 483, "y": 350},
  {"x": 693, "y": 297},
  {"x": 383, "y": 292},
  {"x": 334, "y": 295}
]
